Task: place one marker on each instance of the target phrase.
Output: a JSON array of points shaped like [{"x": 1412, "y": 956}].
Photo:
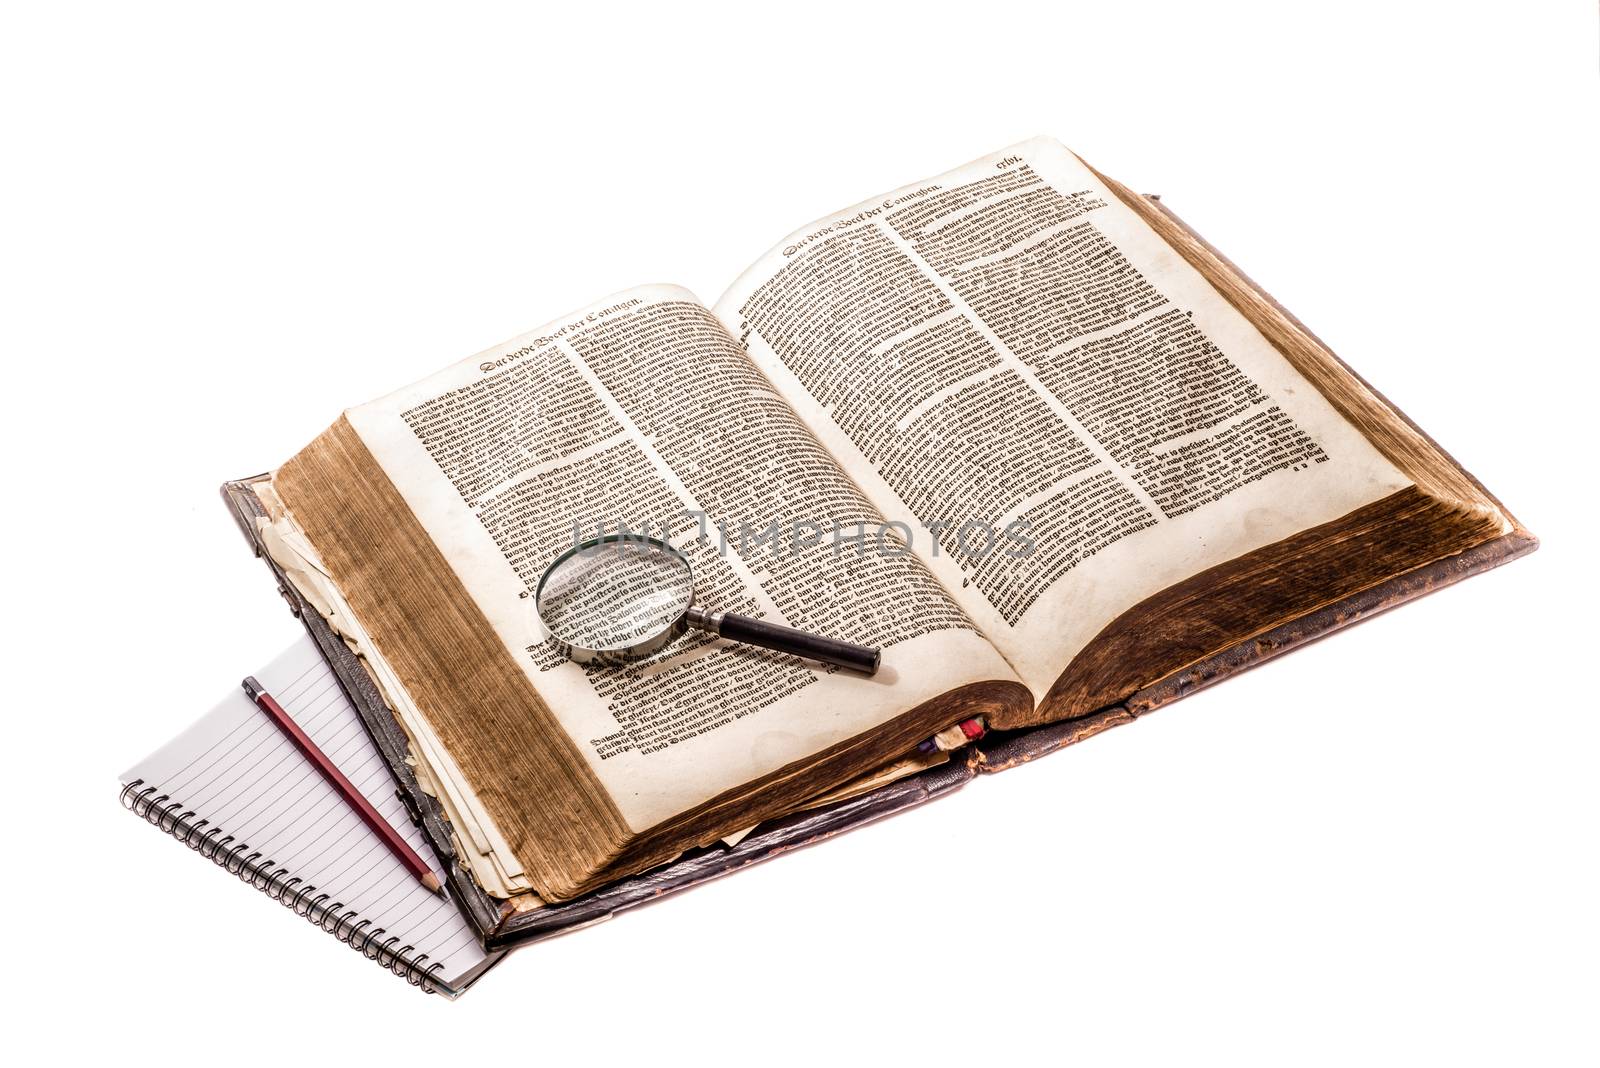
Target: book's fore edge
[
  {"x": 474, "y": 690},
  {"x": 1003, "y": 750},
  {"x": 482, "y": 911},
  {"x": 1358, "y": 607}
]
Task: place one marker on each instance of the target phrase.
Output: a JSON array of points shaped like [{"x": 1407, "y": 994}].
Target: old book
[{"x": 1013, "y": 424}]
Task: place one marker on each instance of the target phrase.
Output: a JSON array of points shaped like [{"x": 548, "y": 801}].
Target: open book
[{"x": 1012, "y": 424}]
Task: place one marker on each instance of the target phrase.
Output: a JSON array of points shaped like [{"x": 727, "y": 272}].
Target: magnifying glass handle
[{"x": 862, "y": 658}]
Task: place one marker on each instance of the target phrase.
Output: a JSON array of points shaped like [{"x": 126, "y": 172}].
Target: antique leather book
[{"x": 1190, "y": 481}]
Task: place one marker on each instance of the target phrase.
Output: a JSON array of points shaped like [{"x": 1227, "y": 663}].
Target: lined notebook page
[{"x": 236, "y": 770}]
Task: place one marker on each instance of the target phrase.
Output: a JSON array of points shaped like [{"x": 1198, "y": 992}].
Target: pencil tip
[{"x": 431, "y": 881}]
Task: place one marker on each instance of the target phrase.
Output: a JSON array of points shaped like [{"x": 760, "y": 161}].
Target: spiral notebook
[{"x": 235, "y": 790}]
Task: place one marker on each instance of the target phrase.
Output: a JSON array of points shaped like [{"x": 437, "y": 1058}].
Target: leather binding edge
[
  {"x": 500, "y": 927},
  {"x": 1002, "y": 750},
  {"x": 481, "y": 910}
]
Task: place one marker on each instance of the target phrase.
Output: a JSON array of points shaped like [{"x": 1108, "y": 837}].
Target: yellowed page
[
  {"x": 1008, "y": 350},
  {"x": 641, "y": 410}
]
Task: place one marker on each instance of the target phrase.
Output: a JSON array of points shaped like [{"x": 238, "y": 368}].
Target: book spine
[{"x": 280, "y": 884}]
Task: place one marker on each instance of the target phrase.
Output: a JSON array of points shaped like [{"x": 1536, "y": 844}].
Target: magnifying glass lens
[
  {"x": 616, "y": 594},
  {"x": 617, "y": 597}
]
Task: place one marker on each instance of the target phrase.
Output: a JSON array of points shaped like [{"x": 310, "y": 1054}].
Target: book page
[
  {"x": 641, "y": 412},
  {"x": 1063, "y": 413}
]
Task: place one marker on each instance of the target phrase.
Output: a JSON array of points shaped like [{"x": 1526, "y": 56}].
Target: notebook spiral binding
[{"x": 278, "y": 883}]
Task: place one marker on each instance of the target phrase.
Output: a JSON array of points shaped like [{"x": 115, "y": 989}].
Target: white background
[{"x": 223, "y": 224}]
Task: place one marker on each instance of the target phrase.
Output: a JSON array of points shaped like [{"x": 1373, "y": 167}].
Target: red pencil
[{"x": 336, "y": 779}]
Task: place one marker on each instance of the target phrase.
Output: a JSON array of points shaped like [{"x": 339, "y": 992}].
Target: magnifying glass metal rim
[
  {"x": 584, "y": 654},
  {"x": 747, "y": 629}
]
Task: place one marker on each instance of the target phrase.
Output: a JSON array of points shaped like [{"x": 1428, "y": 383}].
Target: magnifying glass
[{"x": 624, "y": 596}]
